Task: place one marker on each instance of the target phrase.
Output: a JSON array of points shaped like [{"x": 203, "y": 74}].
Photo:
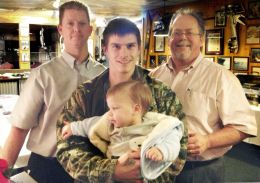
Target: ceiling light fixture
[{"x": 56, "y": 4}]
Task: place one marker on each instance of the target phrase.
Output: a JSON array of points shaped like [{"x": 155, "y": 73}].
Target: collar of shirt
[
  {"x": 170, "y": 64},
  {"x": 71, "y": 61}
]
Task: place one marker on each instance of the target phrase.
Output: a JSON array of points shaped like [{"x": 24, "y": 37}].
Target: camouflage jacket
[{"x": 83, "y": 161}]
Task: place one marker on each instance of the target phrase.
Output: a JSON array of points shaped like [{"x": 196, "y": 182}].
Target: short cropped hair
[
  {"x": 138, "y": 91},
  {"x": 72, "y": 5},
  {"x": 121, "y": 27},
  {"x": 191, "y": 12}
]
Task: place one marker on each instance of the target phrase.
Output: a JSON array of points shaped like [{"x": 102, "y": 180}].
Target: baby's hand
[
  {"x": 154, "y": 154},
  {"x": 66, "y": 130}
]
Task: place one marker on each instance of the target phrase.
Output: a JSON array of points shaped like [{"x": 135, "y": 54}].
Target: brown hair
[
  {"x": 121, "y": 27},
  {"x": 72, "y": 5},
  {"x": 138, "y": 91}
]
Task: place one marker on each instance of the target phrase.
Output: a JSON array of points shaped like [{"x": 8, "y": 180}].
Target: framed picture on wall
[
  {"x": 225, "y": 61},
  {"x": 158, "y": 44},
  {"x": 162, "y": 59},
  {"x": 212, "y": 59},
  {"x": 253, "y": 34},
  {"x": 255, "y": 70},
  {"x": 253, "y": 9},
  {"x": 220, "y": 19},
  {"x": 255, "y": 55},
  {"x": 240, "y": 63},
  {"x": 240, "y": 73},
  {"x": 152, "y": 61},
  {"x": 214, "y": 43}
]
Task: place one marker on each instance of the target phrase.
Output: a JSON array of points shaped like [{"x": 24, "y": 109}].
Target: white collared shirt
[
  {"x": 41, "y": 101},
  {"x": 212, "y": 97}
]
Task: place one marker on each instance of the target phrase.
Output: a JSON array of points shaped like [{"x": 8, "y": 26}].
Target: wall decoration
[
  {"x": 152, "y": 61},
  {"x": 235, "y": 17},
  {"x": 255, "y": 55},
  {"x": 212, "y": 59},
  {"x": 255, "y": 70},
  {"x": 214, "y": 43},
  {"x": 253, "y": 9},
  {"x": 220, "y": 19},
  {"x": 158, "y": 44},
  {"x": 162, "y": 59},
  {"x": 225, "y": 61},
  {"x": 240, "y": 63},
  {"x": 24, "y": 44},
  {"x": 253, "y": 34},
  {"x": 240, "y": 73}
]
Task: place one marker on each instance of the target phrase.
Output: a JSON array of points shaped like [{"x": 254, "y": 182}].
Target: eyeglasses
[{"x": 178, "y": 34}]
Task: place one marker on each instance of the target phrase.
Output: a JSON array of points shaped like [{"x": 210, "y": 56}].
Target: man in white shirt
[
  {"x": 45, "y": 93},
  {"x": 217, "y": 112}
]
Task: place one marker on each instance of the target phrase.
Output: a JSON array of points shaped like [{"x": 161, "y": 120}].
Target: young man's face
[
  {"x": 121, "y": 110},
  {"x": 75, "y": 29},
  {"x": 122, "y": 53}
]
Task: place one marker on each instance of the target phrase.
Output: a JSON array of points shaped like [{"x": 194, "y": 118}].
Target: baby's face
[{"x": 121, "y": 110}]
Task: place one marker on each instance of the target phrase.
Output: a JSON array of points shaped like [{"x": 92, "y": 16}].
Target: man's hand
[
  {"x": 66, "y": 130},
  {"x": 197, "y": 143},
  {"x": 128, "y": 170}
]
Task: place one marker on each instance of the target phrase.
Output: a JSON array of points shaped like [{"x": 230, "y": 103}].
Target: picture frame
[
  {"x": 240, "y": 73},
  {"x": 162, "y": 59},
  {"x": 225, "y": 61},
  {"x": 220, "y": 19},
  {"x": 253, "y": 34},
  {"x": 152, "y": 61},
  {"x": 240, "y": 63},
  {"x": 255, "y": 55},
  {"x": 159, "y": 44},
  {"x": 211, "y": 59},
  {"x": 214, "y": 43},
  {"x": 255, "y": 70},
  {"x": 253, "y": 9},
  {"x": 25, "y": 44}
]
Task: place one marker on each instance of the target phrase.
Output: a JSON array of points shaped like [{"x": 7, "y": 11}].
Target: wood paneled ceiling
[{"x": 98, "y": 7}]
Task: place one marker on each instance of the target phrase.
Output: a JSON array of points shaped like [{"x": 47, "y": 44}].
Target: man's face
[
  {"x": 185, "y": 40},
  {"x": 75, "y": 29},
  {"x": 122, "y": 53}
]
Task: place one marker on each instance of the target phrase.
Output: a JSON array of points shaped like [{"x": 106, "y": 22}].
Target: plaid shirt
[{"x": 83, "y": 161}]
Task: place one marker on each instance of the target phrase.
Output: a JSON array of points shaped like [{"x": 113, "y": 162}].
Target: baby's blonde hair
[{"x": 138, "y": 91}]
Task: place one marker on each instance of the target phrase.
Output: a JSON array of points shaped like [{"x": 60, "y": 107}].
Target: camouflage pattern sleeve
[
  {"x": 166, "y": 102},
  {"x": 76, "y": 154}
]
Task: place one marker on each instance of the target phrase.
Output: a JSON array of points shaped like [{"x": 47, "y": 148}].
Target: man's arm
[
  {"x": 13, "y": 145},
  {"x": 223, "y": 138}
]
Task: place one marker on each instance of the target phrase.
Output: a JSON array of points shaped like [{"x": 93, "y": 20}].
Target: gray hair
[{"x": 191, "y": 12}]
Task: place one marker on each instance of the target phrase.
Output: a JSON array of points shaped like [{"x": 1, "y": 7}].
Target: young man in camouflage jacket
[{"x": 83, "y": 161}]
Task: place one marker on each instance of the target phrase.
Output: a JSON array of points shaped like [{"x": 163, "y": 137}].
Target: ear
[
  {"x": 137, "y": 108},
  {"x": 104, "y": 48},
  {"x": 201, "y": 40},
  {"x": 59, "y": 28},
  {"x": 90, "y": 29}
]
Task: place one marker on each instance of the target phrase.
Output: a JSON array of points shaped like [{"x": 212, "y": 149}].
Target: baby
[{"x": 128, "y": 126}]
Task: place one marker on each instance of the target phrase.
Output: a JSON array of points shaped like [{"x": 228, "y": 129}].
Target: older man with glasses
[{"x": 217, "y": 112}]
